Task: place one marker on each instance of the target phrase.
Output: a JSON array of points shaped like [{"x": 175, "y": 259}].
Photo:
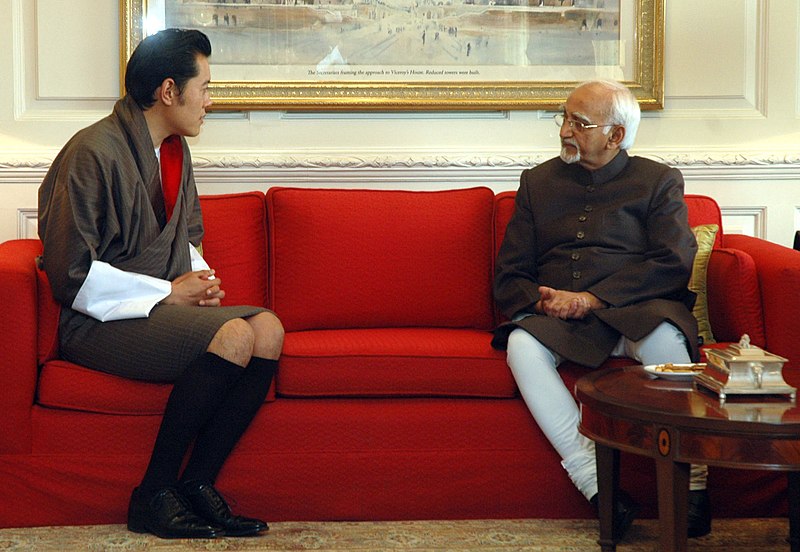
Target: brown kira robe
[
  {"x": 102, "y": 200},
  {"x": 620, "y": 232}
]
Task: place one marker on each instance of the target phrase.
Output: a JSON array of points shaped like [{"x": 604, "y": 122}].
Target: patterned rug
[{"x": 729, "y": 535}]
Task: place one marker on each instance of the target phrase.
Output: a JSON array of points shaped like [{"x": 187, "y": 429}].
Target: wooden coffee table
[{"x": 629, "y": 410}]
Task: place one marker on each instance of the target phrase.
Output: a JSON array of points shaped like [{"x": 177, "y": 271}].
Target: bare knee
[
  {"x": 268, "y": 335},
  {"x": 234, "y": 342}
]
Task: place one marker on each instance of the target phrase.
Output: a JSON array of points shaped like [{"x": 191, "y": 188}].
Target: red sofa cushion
[
  {"x": 69, "y": 386},
  {"x": 732, "y": 274},
  {"x": 63, "y": 384},
  {"x": 235, "y": 245},
  {"x": 396, "y": 362},
  {"x": 380, "y": 258}
]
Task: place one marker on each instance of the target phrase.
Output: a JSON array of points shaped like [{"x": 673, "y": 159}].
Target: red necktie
[{"x": 171, "y": 171}]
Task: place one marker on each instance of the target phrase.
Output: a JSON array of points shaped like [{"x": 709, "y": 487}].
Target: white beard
[{"x": 567, "y": 157}]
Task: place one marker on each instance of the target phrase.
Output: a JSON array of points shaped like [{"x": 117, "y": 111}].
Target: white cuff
[
  {"x": 109, "y": 293},
  {"x": 198, "y": 262}
]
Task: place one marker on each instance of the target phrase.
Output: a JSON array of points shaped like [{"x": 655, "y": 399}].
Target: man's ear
[
  {"x": 615, "y": 137},
  {"x": 167, "y": 93}
]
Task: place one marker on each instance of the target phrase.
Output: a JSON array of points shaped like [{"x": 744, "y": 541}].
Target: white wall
[{"x": 731, "y": 121}]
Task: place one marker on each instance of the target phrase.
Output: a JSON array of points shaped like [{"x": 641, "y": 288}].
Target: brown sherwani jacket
[{"x": 620, "y": 232}]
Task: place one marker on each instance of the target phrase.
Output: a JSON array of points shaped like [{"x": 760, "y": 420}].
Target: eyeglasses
[{"x": 580, "y": 126}]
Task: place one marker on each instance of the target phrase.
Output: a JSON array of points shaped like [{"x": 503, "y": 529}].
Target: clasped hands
[
  {"x": 203, "y": 288},
  {"x": 198, "y": 288},
  {"x": 566, "y": 305}
]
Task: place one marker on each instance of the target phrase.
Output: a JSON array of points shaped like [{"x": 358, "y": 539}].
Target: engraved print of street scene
[{"x": 385, "y": 35}]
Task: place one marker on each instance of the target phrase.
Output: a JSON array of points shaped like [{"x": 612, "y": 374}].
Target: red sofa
[{"x": 389, "y": 403}]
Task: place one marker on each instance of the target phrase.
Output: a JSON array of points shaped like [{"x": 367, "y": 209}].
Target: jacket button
[
  {"x": 588, "y": 208},
  {"x": 580, "y": 235},
  {"x": 576, "y": 275},
  {"x": 582, "y": 218},
  {"x": 576, "y": 256}
]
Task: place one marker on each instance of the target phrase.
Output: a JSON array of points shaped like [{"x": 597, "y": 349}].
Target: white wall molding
[
  {"x": 751, "y": 221},
  {"x": 745, "y": 164},
  {"x": 720, "y": 174},
  {"x": 27, "y": 223}
]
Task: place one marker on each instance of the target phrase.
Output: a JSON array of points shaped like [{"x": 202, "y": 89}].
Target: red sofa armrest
[
  {"x": 778, "y": 270},
  {"x": 19, "y": 330},
  {"x": 734, "y": 297}
]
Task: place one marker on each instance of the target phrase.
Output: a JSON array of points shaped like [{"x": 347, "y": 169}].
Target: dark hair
[{"x": 171, "y": 53}]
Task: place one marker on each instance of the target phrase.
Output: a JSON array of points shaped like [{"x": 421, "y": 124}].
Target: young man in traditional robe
[{"x": 120, "y": 221}]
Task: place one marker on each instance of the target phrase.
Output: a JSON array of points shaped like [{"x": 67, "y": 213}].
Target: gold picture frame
[{"x": 640, "y": 29}]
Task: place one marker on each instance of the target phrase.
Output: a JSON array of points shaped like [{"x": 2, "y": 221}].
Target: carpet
[{"x": 728, "y": 535}]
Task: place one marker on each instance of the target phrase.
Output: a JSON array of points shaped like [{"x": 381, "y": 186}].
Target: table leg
[
  {"x": 794, "y": 511},
  {"x": 673, "y": 497},
  {"x": 607, "y": 485}
]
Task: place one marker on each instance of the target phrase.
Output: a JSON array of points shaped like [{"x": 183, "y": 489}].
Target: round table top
[{"x": 633, "y": 393}]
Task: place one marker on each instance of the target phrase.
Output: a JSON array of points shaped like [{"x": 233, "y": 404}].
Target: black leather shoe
[
  {"x": 167, "y": 515},
  {"x": 699, "y": 511},
  {"x": 210, "y": 505},
  {"x": 625, "y": 510}
]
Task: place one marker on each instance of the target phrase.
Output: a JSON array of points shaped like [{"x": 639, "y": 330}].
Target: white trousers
[{"x": 555, "y": 410}]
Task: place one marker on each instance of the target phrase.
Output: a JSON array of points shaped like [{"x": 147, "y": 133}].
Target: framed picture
[{"x": 413, "y": 54}]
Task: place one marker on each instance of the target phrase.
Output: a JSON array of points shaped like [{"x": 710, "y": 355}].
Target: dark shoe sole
[
  {"x": 695, "y": 532},
  {"x": 134, "y": 528},
  {"x": 245, "y": 533}
]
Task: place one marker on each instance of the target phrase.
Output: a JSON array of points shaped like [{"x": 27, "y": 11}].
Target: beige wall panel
[
  {"x": 711, "y": 48},
  {"x": 13, "y": 223},
  {"x": 76, "y": 49}
]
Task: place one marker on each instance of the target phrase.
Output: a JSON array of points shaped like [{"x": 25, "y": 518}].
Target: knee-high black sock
[
  {"x": 218, "y": 437},
  {"x": 195, "y": 397}
]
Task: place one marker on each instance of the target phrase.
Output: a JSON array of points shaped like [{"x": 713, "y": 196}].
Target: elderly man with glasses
[{"x": 595, "y": 263}]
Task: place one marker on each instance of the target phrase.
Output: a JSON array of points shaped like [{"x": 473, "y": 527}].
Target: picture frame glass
[{"x": 413, "y": 54}]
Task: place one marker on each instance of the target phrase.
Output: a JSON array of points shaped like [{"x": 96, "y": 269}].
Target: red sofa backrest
[
  {"x": 375, "y": 258},
  {"x": 380, "y": 258},
  {"x": 702, "y": 210},
  {"x": 503, "y": 209}
]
